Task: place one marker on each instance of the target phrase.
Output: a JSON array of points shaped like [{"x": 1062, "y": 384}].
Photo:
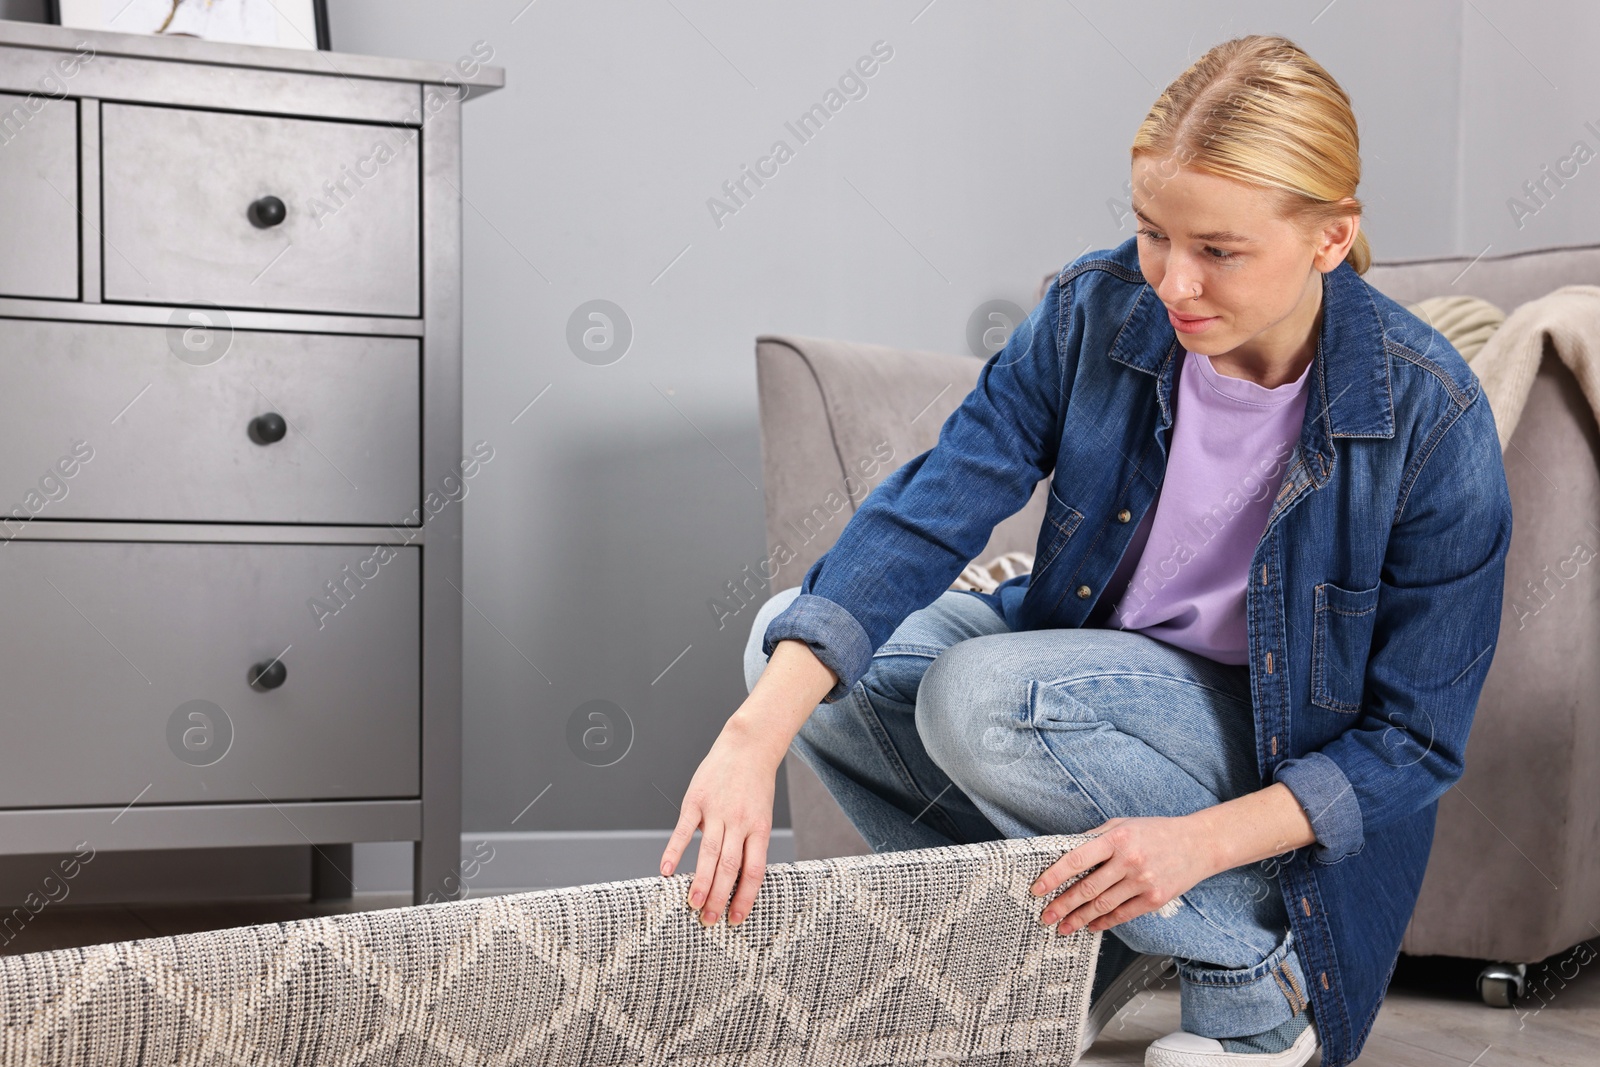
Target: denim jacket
[{"x": 1373, "y": 599}]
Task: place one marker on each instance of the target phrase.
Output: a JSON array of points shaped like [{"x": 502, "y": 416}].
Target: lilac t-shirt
[{"x": 1182, "y": 579}]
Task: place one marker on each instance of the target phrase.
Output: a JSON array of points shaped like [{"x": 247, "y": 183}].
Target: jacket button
[
  {"x": 1083, "y": 592},
  {"x": 1124, "y": 515}
]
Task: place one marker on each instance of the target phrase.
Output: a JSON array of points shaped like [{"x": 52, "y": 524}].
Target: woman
[{"x": 1264, "y": 599}]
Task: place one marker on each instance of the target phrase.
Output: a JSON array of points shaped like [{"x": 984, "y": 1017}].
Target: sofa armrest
[{"x": 830, "y": 412}]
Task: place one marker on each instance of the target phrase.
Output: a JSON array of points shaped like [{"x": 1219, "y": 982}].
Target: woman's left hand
[{"x": 1140, "y": 866}]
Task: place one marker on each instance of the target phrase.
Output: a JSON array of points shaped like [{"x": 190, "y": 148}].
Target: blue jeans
[{"x": 964, "y": 731}]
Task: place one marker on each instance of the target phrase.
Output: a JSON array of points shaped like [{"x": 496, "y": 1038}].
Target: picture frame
[{"x": 276, "y": 23}]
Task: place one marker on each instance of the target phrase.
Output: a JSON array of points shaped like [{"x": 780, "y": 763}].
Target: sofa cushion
[{"x": 1466, "y": 321}]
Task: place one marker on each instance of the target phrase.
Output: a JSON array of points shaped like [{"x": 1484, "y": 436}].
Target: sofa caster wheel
[{"x": 1501, "y": 985}]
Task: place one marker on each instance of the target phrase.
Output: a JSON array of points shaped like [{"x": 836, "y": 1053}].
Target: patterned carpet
[{"x": 916, "y": 957}]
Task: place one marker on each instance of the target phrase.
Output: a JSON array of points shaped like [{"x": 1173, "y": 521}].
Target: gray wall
[
  {"x": 1530, "y": 85},
  {"x": 985, "y": 152}
]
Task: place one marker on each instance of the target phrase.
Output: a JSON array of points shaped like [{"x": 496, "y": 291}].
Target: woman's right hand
[
  {"x": 730, "y": 799},
  {"x": 730, "y": 796}
]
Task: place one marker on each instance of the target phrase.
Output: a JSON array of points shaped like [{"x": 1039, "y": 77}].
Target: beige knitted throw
[{"x": 1507, "y": 364}]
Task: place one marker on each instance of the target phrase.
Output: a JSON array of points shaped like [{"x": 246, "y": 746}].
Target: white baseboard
[{"x": 519, "y": 862}]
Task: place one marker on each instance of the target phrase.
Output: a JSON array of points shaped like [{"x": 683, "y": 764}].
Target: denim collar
[{"x": 1349, "y": 394}]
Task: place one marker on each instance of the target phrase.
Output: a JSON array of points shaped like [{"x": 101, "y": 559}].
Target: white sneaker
[
  {"x": 1183, "y": 1049},
  {"x": 1139, "y": 972}
]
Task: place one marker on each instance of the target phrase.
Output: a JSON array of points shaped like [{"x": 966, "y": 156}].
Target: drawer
[
  {"x": 109, "y": 650},
  {"x": 169, "y": 440},
  {"x": 38, "y": 197},
  {"x": 183, "y": 221}
]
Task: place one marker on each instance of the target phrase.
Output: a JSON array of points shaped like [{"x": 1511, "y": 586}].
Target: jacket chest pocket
[
  {"x": 1060, "y": 521},
  {"x": 1341, "y": 639}
]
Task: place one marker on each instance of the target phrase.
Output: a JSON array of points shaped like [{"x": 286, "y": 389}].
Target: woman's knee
[
  {"x": 755, "y": 660},
  {"x": 971, "y": 714}
]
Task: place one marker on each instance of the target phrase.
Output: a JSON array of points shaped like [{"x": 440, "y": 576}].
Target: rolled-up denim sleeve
[
  {"x": 1441, "y": 592},
  {"x": 1329, "y": 802},
  {"x": 834, "y": 635},
  {"x": 930, "y": 517}
]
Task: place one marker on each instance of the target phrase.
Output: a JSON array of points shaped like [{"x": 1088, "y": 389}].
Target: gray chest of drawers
[{"x": 230, "y": 447}]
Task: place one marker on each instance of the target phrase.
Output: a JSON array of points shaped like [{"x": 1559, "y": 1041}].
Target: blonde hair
[{"x": 1259, "y": 110}]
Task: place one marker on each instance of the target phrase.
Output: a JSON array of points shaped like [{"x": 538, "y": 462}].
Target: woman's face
[{"x": 1215, "y": 248}]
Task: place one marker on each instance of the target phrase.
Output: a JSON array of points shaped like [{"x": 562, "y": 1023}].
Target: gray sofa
[{"x": 1514, "y": 875}]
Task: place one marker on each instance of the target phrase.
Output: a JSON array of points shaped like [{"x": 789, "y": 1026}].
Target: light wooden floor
[{"x": 1432, "y": 1017}]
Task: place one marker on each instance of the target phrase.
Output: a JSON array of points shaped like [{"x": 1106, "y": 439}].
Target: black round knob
[
  {"x": 267, "y": 212},
  {"x": 265, "y": 429},
  {"x": 268, "y": 675}
]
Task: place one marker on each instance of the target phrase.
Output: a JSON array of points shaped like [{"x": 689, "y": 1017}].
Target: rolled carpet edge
[{"x": 911, "y": 957}]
